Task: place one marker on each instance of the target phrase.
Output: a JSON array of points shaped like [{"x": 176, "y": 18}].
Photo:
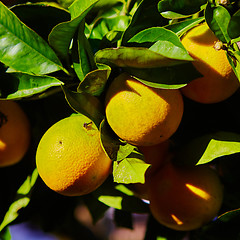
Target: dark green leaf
[
  {"x": 18, "y": 85},
  {"x": 173, "y": 77},
  {"x": 116, "y": 149},
  {"x": 169, "y": 8},
  {"x": 234, "y": 59},
  {"x": 136, "y": 57},
  {"x": 96, "y": 208},
  {"x": 22, "y": 49},
  {"x": 21, "y": 201},
  {"x": 62, "y": 34},
  {"x": 233, "y": 28},
  {"x": 83, "y": 59},
  {"x": 165, "y": 42},
  {"x": 95, "y": 81},
  {"x": 41, "y": 17},
  {"x": 146, "y": 16},
  {"x": 85, "y": 104},
  {"x": 181, "y": 27},
  {"x": 218, "y": 19},
  {"x": 227, "y": 216},
  {"x": 131, "y": 169}
]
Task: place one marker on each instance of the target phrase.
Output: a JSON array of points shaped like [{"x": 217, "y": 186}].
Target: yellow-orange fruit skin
[
  {"x": 219, "y": 81},
  {"x": 70, "y": 158},
  {"x": 15, "y": 133},
  {"x": 142, "y": 115},
  {"x": 185, "y": 198}
]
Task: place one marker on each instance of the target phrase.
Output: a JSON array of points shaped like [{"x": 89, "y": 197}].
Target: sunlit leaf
[
  {"x": 130, "y": 170},
  {"x": 165, "y": 42},
  {"x": 62, "y": 34},
  {"x": 18, "y": 85},
  {"x": 209, "y": 147},
  {"x": 22, "y": 49},
  {"x": 21, "y": 200},
  {"x": 111, "y": 195},
  {"x": 104, "y": 25}
]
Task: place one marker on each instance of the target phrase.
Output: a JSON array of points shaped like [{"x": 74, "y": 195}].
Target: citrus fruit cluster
[{"x": 72, "y": 161}]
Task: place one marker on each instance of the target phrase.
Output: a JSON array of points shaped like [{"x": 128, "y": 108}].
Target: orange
[
  {"x": 14, "y": 133},
  {"x": 142, "y": 115},
  {"x": 218, "y": 81},
  {"x": 185, "y": 198},
  {"x": 157, "y": 156},
  {"x": 70, "y": 158}
]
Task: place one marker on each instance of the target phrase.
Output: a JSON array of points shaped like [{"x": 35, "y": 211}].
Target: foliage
[{"x": 75, "y": 48}]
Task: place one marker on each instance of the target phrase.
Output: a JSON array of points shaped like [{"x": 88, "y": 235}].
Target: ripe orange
[
  {"x": 70, "y": 158},
  {"x": 219, "y": 81},
  {"x": 157, "y": 156},
  {"x": 142, "y": 115},
  {"x": 14, "y": 133},
  {"x": 185, "y": 198}
]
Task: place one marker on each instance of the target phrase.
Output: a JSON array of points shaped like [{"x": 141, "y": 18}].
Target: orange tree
[{"x": 59, "y": 57}]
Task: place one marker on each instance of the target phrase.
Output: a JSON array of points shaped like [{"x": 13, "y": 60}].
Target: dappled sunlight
[
  {"x": 199, "y": 192},
  {"x": 176, "y": 220}
]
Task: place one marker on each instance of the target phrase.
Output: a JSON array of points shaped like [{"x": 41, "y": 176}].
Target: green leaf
[
  {"x": 109, "y": 194},
  {"x": 218, "y": 19},
  {"x": 95, "y": 207},
  {"x": 183, "y": 26},
  {"x": 208, "y": 147},
  {"x": 21, "y": 200},
  {"x": 137, "y": 57},
  {"x": 104, "y": 25},
  {"x": 130, "y": 170},
  {"x": 18, "y": 85},
  {"x": 83, "y": 59},
  {"x": 181, "y": 8},
  {"x": 145, "y": 16},
  {"x": 227, "y": 216},
  {"x": 5, "y": 234},
  {"x": 22, "y": 49},
  {"x": 62, "y": 34},
  {"x": 233, "y": 56},
  {"x": 95, "y": 81},
  {"x": 85, "y": 104},
  {"x": 165, "y": 42},
  {"x": 173, "y": 77},
  {"x": 41, "y": 17},
  {"x": 233, "y": 27},
  {"x": 116, "y": 149}
]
